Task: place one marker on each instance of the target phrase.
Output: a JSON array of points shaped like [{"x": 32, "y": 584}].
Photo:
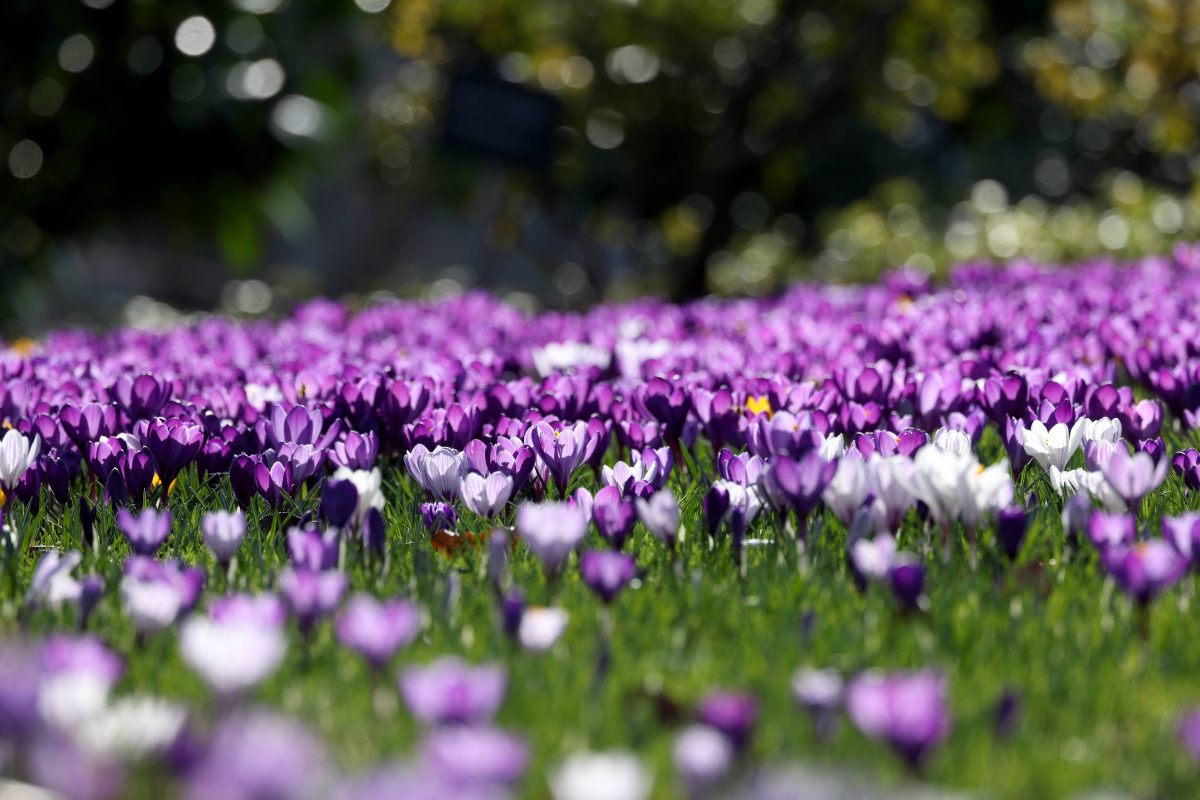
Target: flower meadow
[{"x": 900, "y": 539}]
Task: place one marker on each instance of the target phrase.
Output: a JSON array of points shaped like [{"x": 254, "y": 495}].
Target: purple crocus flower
[
  {"x": 731, "y": 713},
  {"x": 450, "y": 691},
  {"x": 475, "y": 755},
  {"x": 376, "y": 630},
  {"x": 273, "y": 482},
  {"x": 355, "y": 450},
  {"x": 1011, "y": 524},
  {"x": 562, "y": 451},
  {"x": 798, "y": 484},
  {"x": 300, "y": 425},
  {"x": 908, "y": 582},
  {"x": 223, "y": 532},
  {"x": 1146, "y": 569},
  {"x": 174, "y": 443},
  {"x": 1132, "y": 477},
  {"x": 311, "y": 596},
  {"x": 339, "y": 501},
  {"x": 438, "y": 516},
  {"x": 667, "y": 402},
  {"x": 820, "y": 692},
  {"x": 485, "y": 496},
  {"x": 312, "y": 550},
  {"x": 606, "y": 573},
  {"x": 551, "y": 531},
  {"x": 146, "y": 531},
  {"x": 141, "y": 397},
  {"x": 86, "y": 422},
  {"x": 908, "y": 710},
  {"x": 1187, "y": 464},
  {"x": 614, "y": 515}
]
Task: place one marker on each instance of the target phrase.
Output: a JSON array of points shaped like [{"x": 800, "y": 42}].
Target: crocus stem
[{"x": 603, "y": 650}]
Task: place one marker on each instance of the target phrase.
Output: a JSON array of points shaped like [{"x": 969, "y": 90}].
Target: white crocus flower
[
  {"x": 955, "y": 441},
  {"x": 17, "y": 455},
  {"x": 888, "y": 479},
  {"x": 1053, "y": 447},
  {"x": 601, "y": 776},
  {"x": 939, "y": 479},
  {"x": 988, "y": 489},
  {"x": 132, "y": 728},
  {"x": 1101, "y": 490},
  {"x": 848, "y": 490},
  {"x": 52, "y": 583},
  {"x": 541, "y": 627},
  {"x": 834, "y": 447},
  {"x": 1105, "y": 429},
  {"x": 1065, "y": 482}
]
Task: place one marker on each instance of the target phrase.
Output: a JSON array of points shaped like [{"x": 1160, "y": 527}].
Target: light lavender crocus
[
  {"x": 156, "y": 594},
  {"x": 311, "y": 596},
  {"x": 437, "y": 471},
  {"x": 146, "y": 531},
  {"x": 475, "y": 756},
  {"x": 660, "y": 514},
  {"x": 606, "y": 573},
  {"x": 485, "y": 496},
  {"x": 1134, "y": 476},
  {"x": 908, "y": 710},
  {"x": 234, "y": 650},
  {"x": 551, "y": 531},
  {"x": 223, "y": 532},
  {"x": 376, "y": 630},
  {"x": 1146, "y": 569},
  {"x": 450, "y": 691}
]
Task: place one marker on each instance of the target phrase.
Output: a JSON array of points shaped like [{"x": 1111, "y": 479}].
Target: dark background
[{"x": 161, "y": 156}]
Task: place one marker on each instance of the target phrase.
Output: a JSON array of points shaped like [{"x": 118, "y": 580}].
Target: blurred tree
[
  {"x": 860, "y": 132},
  {"x": 168, "y": 113}
]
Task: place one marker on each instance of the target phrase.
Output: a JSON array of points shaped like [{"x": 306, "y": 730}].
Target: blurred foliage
[
  {"x": 708, "y": 144},
  {"x": 775, "y": 139},
  {"x": 165, "y": 113}
]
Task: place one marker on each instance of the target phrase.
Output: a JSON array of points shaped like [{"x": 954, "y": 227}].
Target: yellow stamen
[
  {"x": 759, "y": 405},
  {"x": 23, "y": 346}
]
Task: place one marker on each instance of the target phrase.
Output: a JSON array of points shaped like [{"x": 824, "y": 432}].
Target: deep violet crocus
[
  {"x": 732, "y": 713},
  {"x": 174, "y": 443},
  {"x": 908, "y": 710},
  {"x": 377, "y": 629},
  {"x": 614, "y": 515},
  {"x": 450, "y": 691},
  {"x": 606, "y": 573}
]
